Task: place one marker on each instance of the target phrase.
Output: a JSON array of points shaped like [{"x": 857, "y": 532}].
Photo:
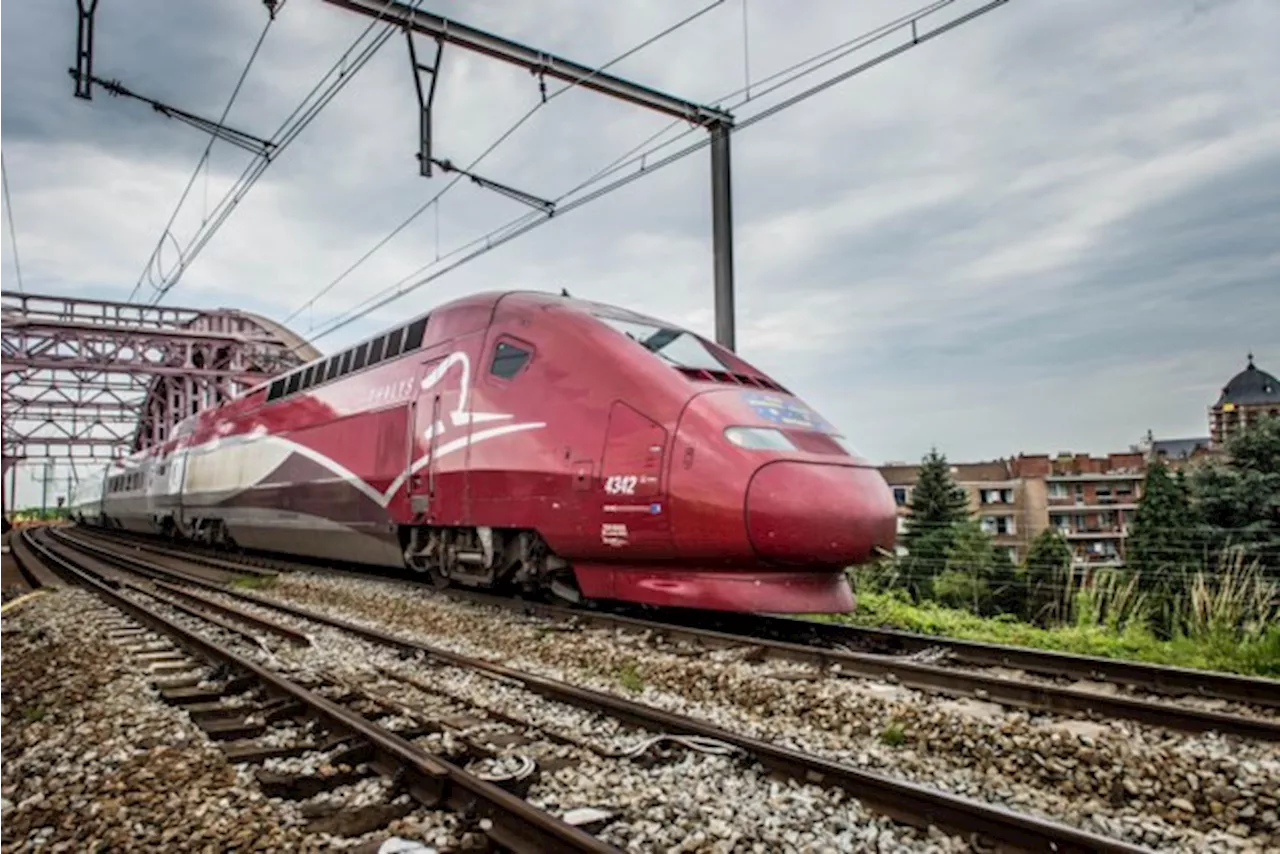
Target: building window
[
  {"x": 901, "y": 496},
  {"x": 998, "y": 525},
  {"x": 1057, "y": 490}
]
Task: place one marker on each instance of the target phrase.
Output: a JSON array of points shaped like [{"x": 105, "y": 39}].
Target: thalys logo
[
  {"x": 459, "y": 428},
  {"x": 461, "y": 416}
]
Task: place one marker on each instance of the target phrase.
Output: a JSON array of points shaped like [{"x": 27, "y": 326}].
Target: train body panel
[{"x": 532, "y": 440}]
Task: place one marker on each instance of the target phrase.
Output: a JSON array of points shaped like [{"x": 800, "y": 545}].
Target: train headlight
[{"x": 759, "y": 438}]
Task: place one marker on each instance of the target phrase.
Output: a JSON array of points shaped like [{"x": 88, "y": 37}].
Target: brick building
[
  {"x": 1008, "y": 507},
  {"x": 1090, "y": 500}
]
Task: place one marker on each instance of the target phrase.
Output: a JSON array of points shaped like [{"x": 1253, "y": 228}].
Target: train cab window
[
  {"x": 295, "y": 379},
  {"x": 413, "y": 335},
  {"x": 508, "y": 360},
  {"x": 676, "y": 346},
  {"x": 331, "y": 367},
  {"x": 376, "y": 349},
  {"x": 394, "y": 339}
]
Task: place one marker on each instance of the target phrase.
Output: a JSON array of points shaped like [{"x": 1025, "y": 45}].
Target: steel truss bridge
[{"x": 94, "y": 380}]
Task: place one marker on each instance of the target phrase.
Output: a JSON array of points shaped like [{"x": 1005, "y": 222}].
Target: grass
[
  {"x": 1219, "y": 648},
  {"x": 629, "y": 677},
  {"x": 254, "y": 582},
  {"x": 894, "y": 735}
]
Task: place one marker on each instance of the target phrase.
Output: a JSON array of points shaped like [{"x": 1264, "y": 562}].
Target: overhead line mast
[{"x": 717, "y": 122}]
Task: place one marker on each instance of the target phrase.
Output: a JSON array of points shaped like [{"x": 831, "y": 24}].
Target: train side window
[
  {"x": 394, "y": 339},
  {"x": 308, "y": 378},
  {"x": 345, "y": 367},
  {"x": 508, "y": 360},
  {"x": 276, "y": 390},
  {"x": 331, "y": 368},
  {"x": 361, "y": 358},
  {"x": 295, "y": 379},
  {"x": 413, "y": 334},
  {"x": 376, "y": 349}
]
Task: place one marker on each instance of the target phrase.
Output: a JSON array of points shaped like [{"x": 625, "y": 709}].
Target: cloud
[{"x": 1051, "y": 228}]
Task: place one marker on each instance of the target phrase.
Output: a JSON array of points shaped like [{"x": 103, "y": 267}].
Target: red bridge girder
[{"x": 91, "y": 379}]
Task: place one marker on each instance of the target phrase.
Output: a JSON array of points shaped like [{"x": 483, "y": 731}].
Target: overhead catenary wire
[
  {"x": 503, "y": 137},
  {"x": 343, "y": 70},
  {"x": 204, "y": 158},
  {"x": 522, "y": 225},
  {"x": 638, "y": 153},
  {"x": 13, "y": 234}
]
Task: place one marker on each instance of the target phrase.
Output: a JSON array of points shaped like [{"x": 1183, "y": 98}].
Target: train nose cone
[{"x": 801, "y": 512}]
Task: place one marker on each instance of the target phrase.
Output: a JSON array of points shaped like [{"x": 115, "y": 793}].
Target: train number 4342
[{"x": 621, "y": 484}]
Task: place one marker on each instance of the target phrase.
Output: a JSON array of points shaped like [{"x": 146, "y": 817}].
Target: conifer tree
[
  {"x": 937, "y": 505},
  {"x": 1161, "y": 539}
]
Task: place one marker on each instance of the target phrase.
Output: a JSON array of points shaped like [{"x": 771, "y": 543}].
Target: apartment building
[
  {"x": 1009, "y": 508},
  {"x": 1089, "y": 500}
]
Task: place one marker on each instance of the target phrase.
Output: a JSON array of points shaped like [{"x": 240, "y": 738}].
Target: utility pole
[
  {"x": 717, "y": 122},
  {"x": 46, "y": 471}
]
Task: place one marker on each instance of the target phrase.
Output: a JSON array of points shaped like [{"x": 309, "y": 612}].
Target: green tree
[
  {"x": 1008, "y": 585},
  {"x": 937, "y": 505},
  {"x": 1163, "y": 537},
  {"x": 978, "y": 575},
  {"x": 1238, "y": 499},
  {"x": 1047, "y": 569},
  {"x": 963, "y": 582}
]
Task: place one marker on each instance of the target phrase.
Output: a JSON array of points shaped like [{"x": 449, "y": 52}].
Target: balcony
[
  {"x": 1087, "y": 506},
  {"x": 1135, "y": 477},
  {"x": 1096, "y": 532}
]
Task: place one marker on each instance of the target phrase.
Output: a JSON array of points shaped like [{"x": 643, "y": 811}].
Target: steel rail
[
  {"x": 921, "y": 676},
  {"x": 287, "y": 632},
  {"x": 36, "y": 576},
  {"x": 515, "y": 823},
  {"x": 904, "y": 801},
  {"x": 1154, "y": 678}
]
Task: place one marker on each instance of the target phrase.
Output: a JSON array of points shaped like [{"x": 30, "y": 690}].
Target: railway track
[
  {"x": 907, "y": 802},
  {"x": 349, "y": 736},
  {"x": 970, "y": 670}
]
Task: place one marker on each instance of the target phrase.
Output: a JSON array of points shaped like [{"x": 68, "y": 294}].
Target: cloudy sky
[{"x": 1052, "y": 228}]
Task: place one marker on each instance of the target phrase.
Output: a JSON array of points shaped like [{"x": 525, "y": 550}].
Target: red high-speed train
[{"x": 529, "y": 441}]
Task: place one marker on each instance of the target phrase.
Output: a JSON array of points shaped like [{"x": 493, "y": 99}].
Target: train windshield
[{"x": 680, "y": 348}]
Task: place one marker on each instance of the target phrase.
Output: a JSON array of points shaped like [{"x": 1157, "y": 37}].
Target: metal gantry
[
  {"x": 87, "y": 379},
  {"x": 719, "y": 123}
]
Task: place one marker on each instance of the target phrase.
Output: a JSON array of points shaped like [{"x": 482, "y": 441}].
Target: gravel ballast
[
  {"x": 95, "y": 761},
  {"x": 1166, "y": 789},
  {"x": 676, "y": 800}
]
